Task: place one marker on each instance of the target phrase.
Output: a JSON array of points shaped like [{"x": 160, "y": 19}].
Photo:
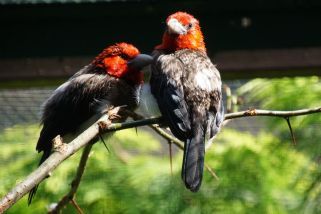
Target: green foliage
[
  {"x": 292, "y": 94},
  {"x": 284, "y": 93},
  {"x": 257, "y": 174}
]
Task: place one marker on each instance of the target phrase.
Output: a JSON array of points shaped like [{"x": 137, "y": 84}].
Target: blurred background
[{"x": 269, "y": 55}]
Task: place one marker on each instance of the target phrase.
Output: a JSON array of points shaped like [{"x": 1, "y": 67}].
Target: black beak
[{"x": 140, "y": 61}]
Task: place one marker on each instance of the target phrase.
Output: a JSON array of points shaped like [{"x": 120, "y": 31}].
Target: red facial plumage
[
  {"x": 115, "y": 66},
  {"x": 114, "y": 60},
  {"x": 193, "y": 39}
]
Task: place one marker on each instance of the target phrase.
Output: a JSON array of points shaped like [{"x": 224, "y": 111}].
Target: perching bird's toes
[
  {"x": 58, "y": 144},
  {"x": 113, "y": 113}
]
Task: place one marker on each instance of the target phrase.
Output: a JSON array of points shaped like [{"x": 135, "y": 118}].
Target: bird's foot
[
  {"x": 113, "y": 113},
  {"x": 251, "y": 112},
  {"x": 58, "y": 144}
]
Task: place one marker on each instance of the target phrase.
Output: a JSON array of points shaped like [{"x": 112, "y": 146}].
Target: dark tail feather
[
  {"x": 193, "y": 162},
  {"x": 33, "y": 191}
]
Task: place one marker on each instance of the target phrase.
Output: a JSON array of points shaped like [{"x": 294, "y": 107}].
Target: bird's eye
[
  {"x": 124, "y": 56},
  {"x": 189, "y": 26}
]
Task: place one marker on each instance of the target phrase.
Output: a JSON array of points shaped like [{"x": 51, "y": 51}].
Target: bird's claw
[
  {"x": 58, "y": 144},
  {"x": 251, "y": 112},
  {"x": 102, "y": 126},
  {"x": 113, "y": 113}
]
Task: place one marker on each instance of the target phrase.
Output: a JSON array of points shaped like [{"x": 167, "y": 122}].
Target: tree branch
[
  {"x": 258, "y": 112},
  {"x": 103, "y": 125}
]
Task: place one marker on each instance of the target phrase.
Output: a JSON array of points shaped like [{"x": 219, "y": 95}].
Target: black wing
[
  {"x": 70, "y": 105},
  {"x": 167, "y": 88}
]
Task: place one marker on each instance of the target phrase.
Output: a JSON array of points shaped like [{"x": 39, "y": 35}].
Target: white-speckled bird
[{"x": 187, "y": 87}]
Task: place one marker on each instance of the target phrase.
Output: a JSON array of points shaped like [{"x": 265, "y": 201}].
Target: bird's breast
[{"x": 147, "y": 103}]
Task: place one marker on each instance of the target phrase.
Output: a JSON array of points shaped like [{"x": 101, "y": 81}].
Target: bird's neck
[{"x": 193, "y": 41}]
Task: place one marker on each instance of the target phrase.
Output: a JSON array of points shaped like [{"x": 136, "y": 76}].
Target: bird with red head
[
  {"x": 113, "y": 78},
  {"x": 187, "y": 87}
]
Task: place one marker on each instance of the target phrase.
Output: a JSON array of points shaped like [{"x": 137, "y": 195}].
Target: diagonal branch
[
  {"x": 70, "y": 196},
  {"x": 59, "y": 155}
]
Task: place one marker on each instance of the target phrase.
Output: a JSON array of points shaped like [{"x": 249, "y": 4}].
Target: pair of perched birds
[{"x": 185, "y": 83}]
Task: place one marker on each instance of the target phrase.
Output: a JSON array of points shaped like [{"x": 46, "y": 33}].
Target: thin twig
[
  {"x": 103, "y": 141},
  {"x": 74, "y": 203},
  {"x": 291, "y": 130},
  {"x": 271, "y": 113},
  {"x": 69, "y": 197},
  {"x": 157, "y": 129},
  {"x": 131, "y": 124},
  {"x": 211, "y": 171},
  {"x": 168, "y": 136}
]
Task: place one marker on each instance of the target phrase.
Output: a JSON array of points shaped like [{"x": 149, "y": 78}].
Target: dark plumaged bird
[
  {"x": 187, "y": 87},
  {"x": 113, "y": 78}
]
